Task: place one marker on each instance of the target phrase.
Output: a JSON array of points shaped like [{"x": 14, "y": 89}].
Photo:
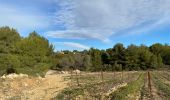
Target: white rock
[
  {"x": 23, "y": 75},
  {"x": 50, "y": 72},
  {"x": 4, "y": 76},
  {"x": 77, "y": 71},
  {"x": 14, "y": 75},
  {"x": 62, "y": 72}
]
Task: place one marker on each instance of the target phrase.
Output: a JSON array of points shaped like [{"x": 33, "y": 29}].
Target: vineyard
[
  {"x": 125, "y": 85},
  {"x": 133, "y": 85}
]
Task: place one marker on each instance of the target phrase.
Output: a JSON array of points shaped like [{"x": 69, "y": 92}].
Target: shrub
[{"x": 10, "y": 70}]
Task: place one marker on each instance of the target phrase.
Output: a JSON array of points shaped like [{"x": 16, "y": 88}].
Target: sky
[{"x": 82, "y": 24}]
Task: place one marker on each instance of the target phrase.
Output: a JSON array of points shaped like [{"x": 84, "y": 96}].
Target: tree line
[
  {"x": 34, "y": 54},
  {"x": 115, "y": 59}
]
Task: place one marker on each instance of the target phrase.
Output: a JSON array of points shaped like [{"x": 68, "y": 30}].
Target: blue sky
[{"x": 81, "y": 24}]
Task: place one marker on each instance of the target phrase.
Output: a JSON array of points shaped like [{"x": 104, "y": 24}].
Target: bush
[{"x": 10, "y": 70}]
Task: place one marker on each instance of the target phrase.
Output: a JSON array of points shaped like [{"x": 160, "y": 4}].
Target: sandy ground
[{"x": 32, "y": 88}]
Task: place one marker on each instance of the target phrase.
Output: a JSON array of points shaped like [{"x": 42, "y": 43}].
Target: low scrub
[
  {"x": 162, "y": 86},
  {"x": 132, "y": 87},
  {"x": 69, "y": 94}
]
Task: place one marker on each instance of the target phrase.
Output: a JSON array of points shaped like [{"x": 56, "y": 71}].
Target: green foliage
[
  {"x": 36, "y": 53},
  {"x": 156, "y": 48},
  {"x": 10, "y": 70},
  {"x": 7, "y": 60},
  {"x": 159, "y": 61},
  {"x": 161, "y": 85},
  {"x": 153, "y": 62},
  {"x": 87, "y": 62},
  {"x": 32, "y": 52},
  {"x": 69, "y": 94},
  {"x": 95, "y": 59},
  {"x": 105, "y": 57},
  {"x": 8, "y": 37},
  {"x": 72, "y": 61},
  {"x": 117, "y": 58},
  {"x": 133, "y": 87},
  {"x": 118, "y": 54},
  {"x": 163, "y": 51}
]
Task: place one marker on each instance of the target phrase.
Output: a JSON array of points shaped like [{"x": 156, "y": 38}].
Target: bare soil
[
  {"x": 154, "y": 94},
  {"x": 32, "y": 88}
]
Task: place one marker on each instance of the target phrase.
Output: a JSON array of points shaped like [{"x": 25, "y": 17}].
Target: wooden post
[
  {"x": 122, "y": 76},
  {"x": 115, "y": 74},
  {"x": 149, "y": 83},
  {"x": 102, "y": 75},
  {"x": 71, "y": 77},
  {"x": 77, "y": 78},
  {"x": 102, "y": 81},
  {"x": 128, "y": 74}
]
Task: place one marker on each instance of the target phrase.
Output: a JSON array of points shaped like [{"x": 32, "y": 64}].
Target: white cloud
[
  {"x": 115, "y": 16},
  {"x": 75, "y": 46}
]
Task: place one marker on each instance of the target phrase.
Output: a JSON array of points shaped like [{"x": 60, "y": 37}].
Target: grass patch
[
  {"x": 92, "y": 87},
  {"x": 69, "y": 94},
  {"x": 132, "y": 87},
  {"x": 161, "y": 86}
]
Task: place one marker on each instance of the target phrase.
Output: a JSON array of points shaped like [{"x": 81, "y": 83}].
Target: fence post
[
  {"x": 71, "y": 77},
  {"x": 122, "y": 75},
  {"x": 102, "y": 75},
  {"x": 149, "y": 83},
  {"x": 78, "y": 84}
]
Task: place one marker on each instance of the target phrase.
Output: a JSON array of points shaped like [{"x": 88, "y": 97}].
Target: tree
[
  {"x": 163, "y": 51},
  {"x": 8, "y": 61},
  {"x": 35, "y": 52},
  {"x": 95, "y": 59},
  {"x": 87, "y": 62},
  {"x": 118, "y": 54},
  {"x": 78, "y": 59},
  {"x": 105, "y": 57},
  {"x": 159, "y": 60},
  {"x": 144, "y": 57},
  {"x": 132, "y": 57},
  {"x": 156, "y": 48},
  {"x": 153, "y": 62},
  {"x": 8, "y": 37},
  {"x": 165, "y": 54}
]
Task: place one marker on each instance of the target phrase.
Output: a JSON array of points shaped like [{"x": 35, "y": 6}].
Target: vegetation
[
  {"x": 68, "y": 94},
  {"x": 92, "y": 88},
  {"x": 131, "y": 88},
  {"x": 114, "y": 59},
  {"x": 33, "y": 52},
  {"x": 159, "y": 80},
  {"x": 37, "y": 55}
]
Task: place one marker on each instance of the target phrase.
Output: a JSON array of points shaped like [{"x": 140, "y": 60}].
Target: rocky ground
[{"x": 24, "y": 87}]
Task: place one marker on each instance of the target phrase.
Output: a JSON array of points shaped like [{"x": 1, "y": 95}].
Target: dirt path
[
  {"x": 33, "y": 88},
  {"x": 51, "y": 85}
]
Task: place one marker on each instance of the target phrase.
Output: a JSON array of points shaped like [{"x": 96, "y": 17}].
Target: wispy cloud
[
  {"x": 73, "y": 45},
  {"x": 100, "y": 19},
  {"x": 78, "y": 34}
]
